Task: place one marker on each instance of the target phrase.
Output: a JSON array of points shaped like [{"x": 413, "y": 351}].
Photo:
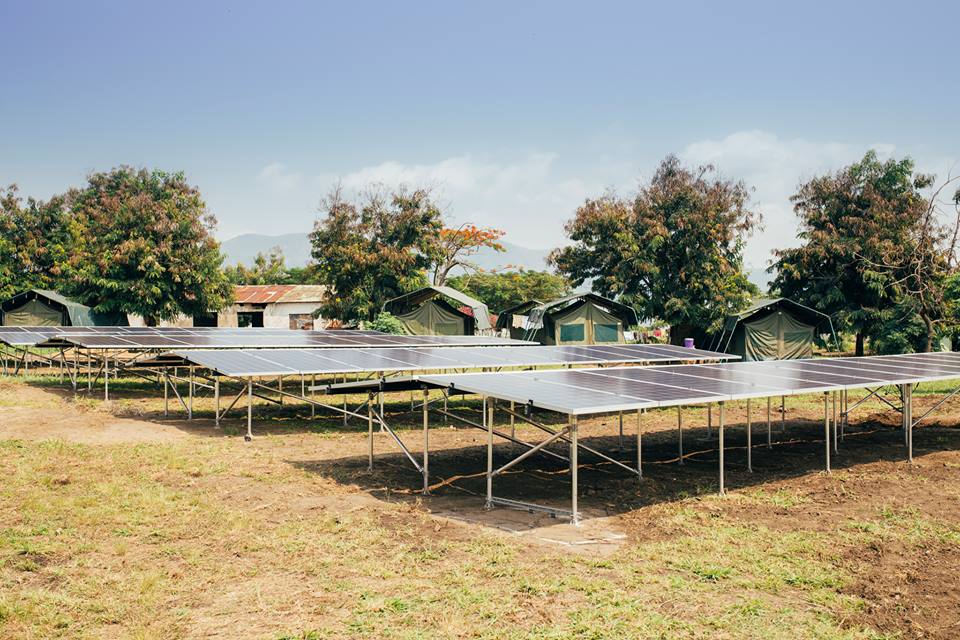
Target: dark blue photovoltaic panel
[
  {"x": 585, "y": 391},
  {"x": 379, "y": 360}
]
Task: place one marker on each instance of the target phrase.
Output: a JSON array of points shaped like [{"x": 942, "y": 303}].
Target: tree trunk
[
  {"x": 859, "y": 351},
  {"x": 929, "y": 325}
]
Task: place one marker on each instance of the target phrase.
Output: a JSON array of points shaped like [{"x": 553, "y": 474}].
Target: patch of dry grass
[{"x": 210, "y": 537}]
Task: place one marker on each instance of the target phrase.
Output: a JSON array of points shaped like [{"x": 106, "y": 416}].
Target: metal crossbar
[
  {"x": 566, "y": 438},
  {"x": 526, "y": 454}
]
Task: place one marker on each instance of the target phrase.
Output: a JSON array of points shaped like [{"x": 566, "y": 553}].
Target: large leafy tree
[
  {"x": 455, "y": 247},
  {"x": 675, "y": 251},
  {"x": 871, "y": 249},
  {"x": 142, "y": 243},
  {"x": 501, "y": 290},
  {"x": 34, "y": 242},
  {"x": 374, "y": 249}
]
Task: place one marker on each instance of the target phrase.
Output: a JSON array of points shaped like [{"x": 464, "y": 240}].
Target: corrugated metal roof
[
  {"x": 305, "y": 293},
  {"x": 274, "y": 293}
]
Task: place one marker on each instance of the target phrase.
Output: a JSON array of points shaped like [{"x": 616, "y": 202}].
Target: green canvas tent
[
  {"x": 514, "y": 319},
  {"x": 773, "y": 329},
  {"x": 44, "y": 308},
  {"x": 427, "y": 312},
  {"x": 583, "y": 318}
]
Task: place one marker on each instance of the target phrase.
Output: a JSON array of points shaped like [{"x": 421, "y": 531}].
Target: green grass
[
  {"x": 136, "y": 542},
  {"x": 164, "y": 541}
]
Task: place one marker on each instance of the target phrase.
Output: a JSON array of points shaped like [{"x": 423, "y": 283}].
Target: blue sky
[{"x": 514, "y": 112}]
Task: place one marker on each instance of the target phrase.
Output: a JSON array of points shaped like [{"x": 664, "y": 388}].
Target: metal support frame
[
  {"x": 769, "y": 427},
  {"x": 679, "y": 435},
  {"x": 720, "y": 437},
  {"x": 826, "y": 428},
  {"x": 908, "y": 419},
  {"x": 551, "y": 432},
  {"x": 783, "y": 415},
  {"x": 836, "y": 430},
  {"x": 749, "y": 439},
  {"x": 426, "y": 441}
]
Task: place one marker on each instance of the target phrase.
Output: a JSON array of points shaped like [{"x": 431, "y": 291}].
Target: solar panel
[
  {"x": 252, "y": 362},
  {"x": 228, "y": 336},
  {"x": 585, "y": 391}
]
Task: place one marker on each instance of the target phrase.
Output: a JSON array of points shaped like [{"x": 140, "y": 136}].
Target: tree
[
  {"x": 386, "y": 322},
  {"x": 924, "y": 268},
  {"x": 455, "y": 246},
  {"x": 142, "y": 243},
  {"x": 267, "y": 268},
  {"x": 373, "y": 250},
  {"x": 870, "y": 238},
  {"x": 676, "y": 250},
  {"x": 505, "y": 289},
  {"x": 34, "y": 242}
]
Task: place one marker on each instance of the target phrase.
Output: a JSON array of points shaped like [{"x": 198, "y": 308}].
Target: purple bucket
[{"x": 688, "y": 343}]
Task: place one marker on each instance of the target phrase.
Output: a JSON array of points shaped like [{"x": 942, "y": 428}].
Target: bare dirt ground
[{"x": 870, "y": 550}]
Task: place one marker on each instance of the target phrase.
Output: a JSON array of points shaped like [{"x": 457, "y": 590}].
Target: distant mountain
[
  {"x": 514, "y": 256},
  {"x": 296, "y": 250}
]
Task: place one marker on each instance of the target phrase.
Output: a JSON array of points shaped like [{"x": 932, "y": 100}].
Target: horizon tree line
[{"x": 878, "y": 250}]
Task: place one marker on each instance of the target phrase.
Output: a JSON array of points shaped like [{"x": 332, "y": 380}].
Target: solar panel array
[
  {"x": 282, "y": 362},
  {"x": 148, "y": 338},
  {"x": 589, "y": 391}
]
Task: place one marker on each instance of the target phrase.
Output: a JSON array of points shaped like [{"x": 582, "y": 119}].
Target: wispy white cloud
[
  {"x": 530, "y": 195},
  {"x": 774, "y": 167},
  {"x": 276, "y": 177},
  {"x": 527, "y": 196}
]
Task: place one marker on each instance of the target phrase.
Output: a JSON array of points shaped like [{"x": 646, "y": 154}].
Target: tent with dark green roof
[
  {"x": 773, "y": 329},
  {"x": 44, "y": 308}
]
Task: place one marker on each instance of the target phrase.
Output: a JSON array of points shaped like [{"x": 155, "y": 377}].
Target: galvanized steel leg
[
  {"x": 639, "y": 445},
  {"x": 106, "y": 377},
  {"x": 216, "y": 402},
  {"x": 720, "y": 437},
  {"x": 709, "y": 421},
  {"x": 909, "y": 413},
  {"x": 573, "y": 471},
  {"x": 620, "y": 417},
  {"x": 489, "y": 425},
  {"x": 166, "y": 395},
  {"x": 313, "y": 383},
  {"x": 190, "y": 402},
  {"x": 680, "y": 435},
  {"x": 836, "y": 430},
  {"x": 783, "y": 414},
  {"x": 826, "y": 427},
  {"x": 370, "y": 431},
  {"x": 749, "y": 439},
  {"x": 249, "y": 435},
  {"x": 769, "y": 429},
  {"x": 843, "y": 415},
  {"x": 513, "y": 419},
  {"x": 426, "y": 442}
]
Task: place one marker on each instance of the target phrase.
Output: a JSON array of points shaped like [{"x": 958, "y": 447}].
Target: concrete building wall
[{"x": 277, "y": 316}]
